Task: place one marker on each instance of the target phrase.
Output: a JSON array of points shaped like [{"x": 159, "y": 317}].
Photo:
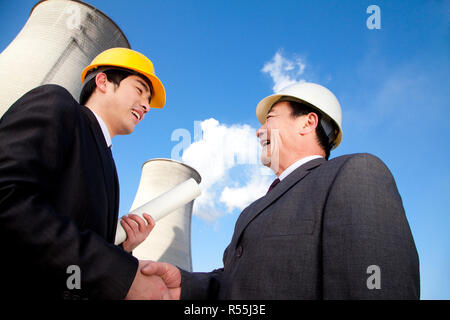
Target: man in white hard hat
[{"x": 326, "y": 229}]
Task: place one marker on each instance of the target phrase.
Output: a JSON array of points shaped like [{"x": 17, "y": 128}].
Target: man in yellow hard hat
[
  {"x": 59, "y": 191},
  {"x": 326, "y": 229}
]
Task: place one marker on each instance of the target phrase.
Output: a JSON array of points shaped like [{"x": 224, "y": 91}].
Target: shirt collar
[
  {"x": 297, "y": 164},
  {"x": 104, "y": 130}
]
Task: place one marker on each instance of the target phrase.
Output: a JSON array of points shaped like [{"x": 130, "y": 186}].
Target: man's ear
[
  {"x": 308, "y": 123},
  {"x": 101, "y": 81}
]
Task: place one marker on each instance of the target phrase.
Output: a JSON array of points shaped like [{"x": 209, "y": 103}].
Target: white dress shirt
[
  {"x": 297, "y": 164},
  {"x": 104, "y": 130}
]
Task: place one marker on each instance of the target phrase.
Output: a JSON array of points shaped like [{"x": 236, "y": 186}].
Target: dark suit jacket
[
  {"x": 315, "y": 235},
  {"x": 58, "y": 201}
]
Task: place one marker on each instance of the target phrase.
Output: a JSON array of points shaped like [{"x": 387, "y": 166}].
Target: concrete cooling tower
[
  {"x": 170, "y": 240},
  {"x": 60, "y": 38}
]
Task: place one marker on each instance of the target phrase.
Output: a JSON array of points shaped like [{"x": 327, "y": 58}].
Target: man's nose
[
  {"x": 146, "y": 106},
  {"x": 261, "y": 130}
]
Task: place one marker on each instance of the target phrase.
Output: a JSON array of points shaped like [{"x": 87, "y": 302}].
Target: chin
[
  {"x": 126, "y": 131},
  {"x": 266, "y": 161},
  {"x": 130, "y": 128}
]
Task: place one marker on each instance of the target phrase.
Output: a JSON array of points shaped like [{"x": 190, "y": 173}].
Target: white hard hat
[{"x": 311, "y": 94}]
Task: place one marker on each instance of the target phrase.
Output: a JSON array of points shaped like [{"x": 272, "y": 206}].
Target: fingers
[
  {"x": 137, "y": 229},
  {"x": 150, "y": 222},
  {"x": 129, "y": 227},
  {"x": 139, "y": 225},
  {"x": 168, "y": 273},
  {"x": 153, "y": 268},
  {"x": 147, "y": 287}
]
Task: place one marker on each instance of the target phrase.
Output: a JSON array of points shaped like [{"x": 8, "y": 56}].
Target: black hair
[
  {"x": 113, "y": 75},
  {"x": 300, "y": 109}
]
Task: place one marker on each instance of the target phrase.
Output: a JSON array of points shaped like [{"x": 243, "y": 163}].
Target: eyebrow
[
  {"x": 143, "y": 84},
  {"x": 147, "y": 89}
]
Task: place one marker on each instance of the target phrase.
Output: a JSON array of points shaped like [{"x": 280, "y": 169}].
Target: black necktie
[
  {"x": 115, "y": 198},
  {"x": 274, "y": 183}
]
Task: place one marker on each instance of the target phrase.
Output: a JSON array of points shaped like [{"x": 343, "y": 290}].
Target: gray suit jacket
[{"x": 330, "y": 230}]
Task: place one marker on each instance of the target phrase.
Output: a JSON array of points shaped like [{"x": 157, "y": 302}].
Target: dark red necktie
[{"x": 274, "y": 183}]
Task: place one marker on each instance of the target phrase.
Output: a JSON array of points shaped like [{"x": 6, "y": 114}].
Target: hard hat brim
[{"x": 263, "y": 107}]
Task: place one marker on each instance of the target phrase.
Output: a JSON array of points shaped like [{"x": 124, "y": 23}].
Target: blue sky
[{"x": 217, "y": 59}]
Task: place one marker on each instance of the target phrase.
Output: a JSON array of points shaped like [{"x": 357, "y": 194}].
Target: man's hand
[
  {"x": 169, "y": 274},
  {"x": 137, "y": 230},
  {"x": 147, "y": 287}
]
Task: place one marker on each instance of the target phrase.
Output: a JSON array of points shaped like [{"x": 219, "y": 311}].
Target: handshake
[{"x": 155, "y": 281}]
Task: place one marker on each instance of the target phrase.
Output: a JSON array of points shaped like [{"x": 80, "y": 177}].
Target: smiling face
[
  {"x": 277, "y": 136},
  {"x": 285, "y": 138},
  {"x": 126, "y": 104}
]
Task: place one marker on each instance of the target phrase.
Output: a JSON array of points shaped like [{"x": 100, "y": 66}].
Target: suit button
[{"x": 239, "y": 251}]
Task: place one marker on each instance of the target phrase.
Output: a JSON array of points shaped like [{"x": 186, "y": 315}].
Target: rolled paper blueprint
[{"x": 164, "y": 204}]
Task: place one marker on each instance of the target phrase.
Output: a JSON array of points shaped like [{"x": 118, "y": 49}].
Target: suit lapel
[
  {"x": 259, "y": 205},
  {"x": 109, "y": 170}
]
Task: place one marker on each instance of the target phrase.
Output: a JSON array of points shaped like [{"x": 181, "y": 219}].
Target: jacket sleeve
[
  {"x": 368, "y": 248},
  {"x": 203, "y": 285},
  {"x": 35, "y": 140},
  {"x": 200, "y": 285}
]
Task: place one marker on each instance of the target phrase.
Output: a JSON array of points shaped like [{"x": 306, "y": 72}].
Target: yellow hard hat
[{"x": 133, "y": 60}]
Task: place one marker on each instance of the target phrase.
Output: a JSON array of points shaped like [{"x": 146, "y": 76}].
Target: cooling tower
[
  {"x": 170, "y": 240},
  {"x": 59, "y": 39}
]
